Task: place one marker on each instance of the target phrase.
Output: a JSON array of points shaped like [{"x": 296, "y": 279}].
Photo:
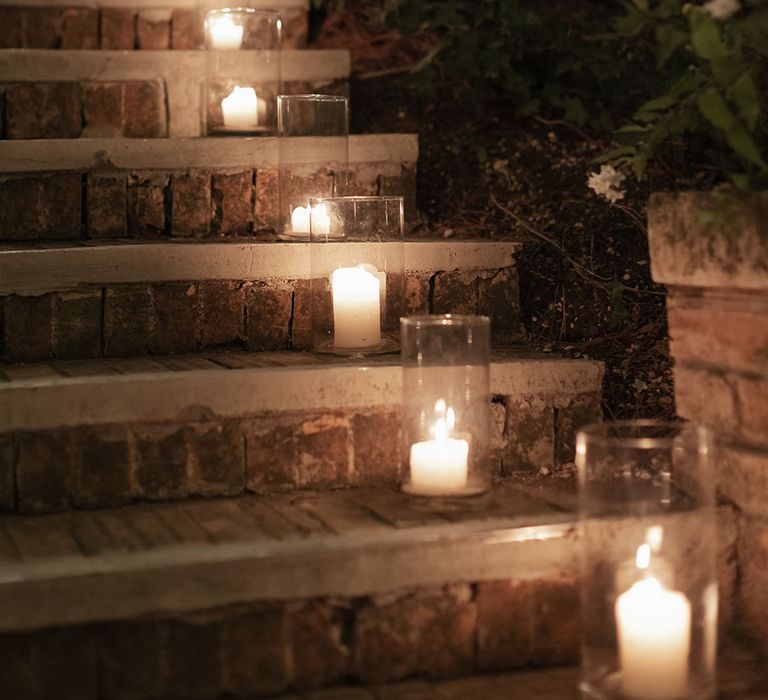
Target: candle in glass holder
[
  {"x": 356, "y": 296},
  {"x": 439, "y": 466},
  {"x": 654, "y": 630},
  {"x": 226, "y": 35},
  {"x": 240, "y": 109}
]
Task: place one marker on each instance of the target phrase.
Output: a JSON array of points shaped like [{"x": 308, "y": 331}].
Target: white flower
[
  {"x": 721, "y": 9},
  {"x": 607, "y": 183}
]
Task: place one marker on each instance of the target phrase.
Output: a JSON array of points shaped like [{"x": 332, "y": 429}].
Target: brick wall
[
  {"x": 110, "y": 204},
  {"x": 116, "y": 28},
  {"x": 718, "y": 325},
  {"x": 263, "y": 650}
]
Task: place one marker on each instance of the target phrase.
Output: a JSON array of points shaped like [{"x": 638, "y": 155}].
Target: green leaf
[
  {"x": 669, "y": 40},
  {"x": 744, "y": 94},
  {"x": 658, "y": 104},
  {"x": 742, "y": 143},
  {"x": 631, "y": 24},
  {"x": 713, "y": 106},
  {"x": 706, "y": 37},
  {"x": 726, "y": 69}
]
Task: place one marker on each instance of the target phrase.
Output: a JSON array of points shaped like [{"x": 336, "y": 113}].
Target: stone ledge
[
  {"x": 178, "y": 75},
  {"x": 227, "y": 385}
]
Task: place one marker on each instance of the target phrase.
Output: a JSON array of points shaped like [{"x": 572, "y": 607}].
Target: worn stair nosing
[
  {"x": 55, "y": 155},
  {"x": 25, "y": 65},
  {"x": 178, "y": 395},
  {"x": 36, "y": 271}
]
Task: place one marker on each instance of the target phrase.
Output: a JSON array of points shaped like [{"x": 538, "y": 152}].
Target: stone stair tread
[{"x": 81, "y": 567}]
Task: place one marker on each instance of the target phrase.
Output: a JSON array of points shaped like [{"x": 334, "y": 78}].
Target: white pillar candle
[
  {"x": 654, "y": 630},
  {"x": 439, "y": 466},
  {"x": 356, "y": 302},
  {"x": 240, "y": 109},
  {"x": 300, "y": 220},
  {"x": 226, "y": 35}
]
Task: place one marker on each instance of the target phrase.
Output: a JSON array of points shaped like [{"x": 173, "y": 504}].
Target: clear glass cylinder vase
[
  {"x": 446, "y": 419},
  {"x": 649, "y": 584},
  {"x": 313, "y": 156},
  {"x": 357, "y": 260},
  {"x": 243, "y": 71}
]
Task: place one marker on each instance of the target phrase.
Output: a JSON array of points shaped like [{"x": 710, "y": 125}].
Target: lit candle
[
  {"x": 300, "y": 220},
  {"x": 356, "y": 308},
  {"x": 439, "y": 466},
  {"x": 654, "y": 629},
  {"x": 225, "y": 34},
  {"x": 240, "y": 109},
  {"x": 321, "y": 222}
]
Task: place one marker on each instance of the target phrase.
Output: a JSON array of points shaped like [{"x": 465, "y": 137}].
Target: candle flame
[
  {"x": 440, "y": 406},
  {"x": 441, "y": 430},
  {"x": 654, "y": 536},
  {"x": 450, "y": 419},
  {"x": 643, "y": 556}
]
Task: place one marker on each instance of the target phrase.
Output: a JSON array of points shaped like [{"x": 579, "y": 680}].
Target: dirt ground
[{"x": 586, "y": 289}]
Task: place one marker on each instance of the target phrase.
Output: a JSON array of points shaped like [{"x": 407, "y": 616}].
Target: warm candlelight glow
[
  {"x": 356, "y": 296},
  {"x": 439, "y": 466},
  {"x": 240, "y": 109},
  {"x": 226, "y": 35},
  {"x": 654, "y": 629}
]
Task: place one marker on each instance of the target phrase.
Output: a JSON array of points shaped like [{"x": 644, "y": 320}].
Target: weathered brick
[
  {"x": 269, "y": 315},
  {"x": 320, "y": 658},
  {"x": 556, "y": 629},
  {"x": 51, "y": 663},
  {"x": 222, "y": 313},
  {"x": 7, "y": 474},
  {"x": 46, "y": 470},
  {"x": 43, "y": 110},
  {"x": 417, "y": 293},
  {"x": 217, "y": 465},
  {"x": 61, "y": 202},
  {"x": 498, "y": 299},
  {"x": 118, "y": 28},
  {"x": 144, "y": 114},
  {"x": 705, "y": 397},
  {"x": 153, "y": 29},
  {"x": 446, "y": 633},
  {"x": 103, "y": 109},
  {"x": 20, "y": 209},
  {"x": 77, "y": 324},
  {"x": 133, "y": 660},
  {"x": 386, "y": 640},
  {"x": 42, "y": 28},
  {"x": 577, "y": 412},
  {"x": 233, "y": 203},
  {"x": 175, "y": 318},
  {"x": 729, "y": 337},
  {"x": 11, "y": 28},
  {"x": 162, "y": 461},
  {"x": 107, "y": 206},
  {"x": 146, "y": 205},
  {"x": 186, "y": 29},
  {"x": 288, "y": 451},
  {"x": 265, "y": 210},
  {"x": 530, "y": 435},
  {"x": 191, "y": 204},
  {"x": 301, "y": 328},
  {"x": 295, "y": 28},
  {"x": 194, "y": 665},
  {"x": 753, "y": 567},
  {"x": 455, "y": 292},
  {"x": 752, "y": 395},
  {"x": 80, "y": 29},
  {"x": 255, "y": 650},
  {"x": 743, "y": 478},
  {"x": 29, "y": 328},
  {"x": 505, "y": 624},
  {"x": 103, "y": 479},
  {"x": 127, "y": 320},
  {"x": 377, "y": 459}
]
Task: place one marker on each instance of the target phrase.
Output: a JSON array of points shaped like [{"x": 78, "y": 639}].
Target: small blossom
[
  {"x": 721, "y": 9},
  {"x": 607, "y": 183}
]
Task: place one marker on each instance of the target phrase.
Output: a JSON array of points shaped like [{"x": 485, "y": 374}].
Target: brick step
[
  {"x": 183, "y": 188},
  {"x": 125, "y": 24},
  {"x": 110, "y": 432},
  {"x": 87, "y": 301},
  {"x": 257, "y": 595},
  {"x": 140, "y": 94}
]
